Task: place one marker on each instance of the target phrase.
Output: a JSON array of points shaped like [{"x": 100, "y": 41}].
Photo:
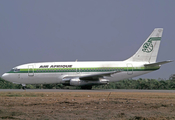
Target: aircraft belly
[{"x": 124, "y": 75}]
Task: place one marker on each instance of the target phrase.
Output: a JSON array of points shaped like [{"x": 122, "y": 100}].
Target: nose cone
[{"x": 5, "y": 76}]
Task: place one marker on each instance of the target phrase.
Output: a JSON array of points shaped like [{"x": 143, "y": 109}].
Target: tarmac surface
[{"x": 73, "y": 90}]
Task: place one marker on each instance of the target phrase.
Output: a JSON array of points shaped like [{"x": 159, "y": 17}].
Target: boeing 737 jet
[{"x": 89, "y": 73}]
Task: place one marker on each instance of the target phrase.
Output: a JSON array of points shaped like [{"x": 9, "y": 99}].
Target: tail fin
[{"x": 149, "y": 49}]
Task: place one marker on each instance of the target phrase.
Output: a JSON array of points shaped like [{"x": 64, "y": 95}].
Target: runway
[{"x": 73, "y": 90}]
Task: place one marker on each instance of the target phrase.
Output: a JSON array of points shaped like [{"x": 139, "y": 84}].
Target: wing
[
  {"x": 95, "y": 77},
  {"x": 92, "y": 77}
]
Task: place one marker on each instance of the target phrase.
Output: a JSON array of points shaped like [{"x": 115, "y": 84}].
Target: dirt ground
[{"x": 87, "y": 106}]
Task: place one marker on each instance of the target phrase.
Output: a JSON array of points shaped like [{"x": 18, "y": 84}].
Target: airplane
[{"x": 88, "y": 73}]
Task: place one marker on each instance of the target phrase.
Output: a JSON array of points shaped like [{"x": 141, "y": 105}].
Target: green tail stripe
[{"x": 155, "y": 38}]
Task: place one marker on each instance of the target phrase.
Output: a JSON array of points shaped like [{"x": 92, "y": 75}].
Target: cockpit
[{"x": 15, "y": 70}]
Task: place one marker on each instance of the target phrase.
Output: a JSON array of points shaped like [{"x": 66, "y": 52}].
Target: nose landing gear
[{"x": 24, "y": 86}]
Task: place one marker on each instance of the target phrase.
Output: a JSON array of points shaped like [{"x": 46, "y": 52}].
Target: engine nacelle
[
  {"x": 75, "y": 82},
  {"x": 78, "y": 82},
  {"x": 66, "y": 81}
]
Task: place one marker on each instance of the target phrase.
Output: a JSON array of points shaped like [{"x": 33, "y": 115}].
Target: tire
[{"x": 86, "y": 87}]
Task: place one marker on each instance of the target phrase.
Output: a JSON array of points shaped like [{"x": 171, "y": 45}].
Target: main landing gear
[{"x": 86, "y": 87}]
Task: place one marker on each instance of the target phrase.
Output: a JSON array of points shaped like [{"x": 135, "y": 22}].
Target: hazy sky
[{"x": 66, "y": 30}]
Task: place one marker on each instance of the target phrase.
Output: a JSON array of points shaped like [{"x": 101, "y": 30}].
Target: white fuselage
[{"x": 54, "y": 72}]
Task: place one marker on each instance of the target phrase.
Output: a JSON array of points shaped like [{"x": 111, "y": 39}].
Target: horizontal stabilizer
[{"x": 158, "y": 63}]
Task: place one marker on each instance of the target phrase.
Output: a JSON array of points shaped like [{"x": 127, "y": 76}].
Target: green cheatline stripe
[
  {"x": 58, "y": 70},
  {"x": 155, "y": 38}
]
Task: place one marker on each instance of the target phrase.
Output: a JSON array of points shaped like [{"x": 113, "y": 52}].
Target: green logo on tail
[{"x": 148, "y": 46}]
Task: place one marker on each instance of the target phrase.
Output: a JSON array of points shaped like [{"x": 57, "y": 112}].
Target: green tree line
[{"x": 123, "y": 84}]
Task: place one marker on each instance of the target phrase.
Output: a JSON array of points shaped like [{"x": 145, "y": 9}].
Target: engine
[
  {"x": 75, "y": 82},
  {"x": 78, "y": 82}
]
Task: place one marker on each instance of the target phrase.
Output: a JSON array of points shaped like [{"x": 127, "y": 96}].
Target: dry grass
[{"x": 87, "y": 106}]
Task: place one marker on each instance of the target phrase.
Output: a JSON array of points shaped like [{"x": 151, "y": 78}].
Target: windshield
[{"x": 15, "y": 70}]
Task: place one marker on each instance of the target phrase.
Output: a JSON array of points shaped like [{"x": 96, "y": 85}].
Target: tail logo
[{"x": 148, "y": 46}]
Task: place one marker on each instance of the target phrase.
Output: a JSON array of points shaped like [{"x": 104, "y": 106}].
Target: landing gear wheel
[
  {"x": 24, "y": 86},
  {"x": 86, "y": 87}
]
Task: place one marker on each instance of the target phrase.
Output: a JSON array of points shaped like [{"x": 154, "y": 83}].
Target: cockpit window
[{"x": 15, "y": 70}]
